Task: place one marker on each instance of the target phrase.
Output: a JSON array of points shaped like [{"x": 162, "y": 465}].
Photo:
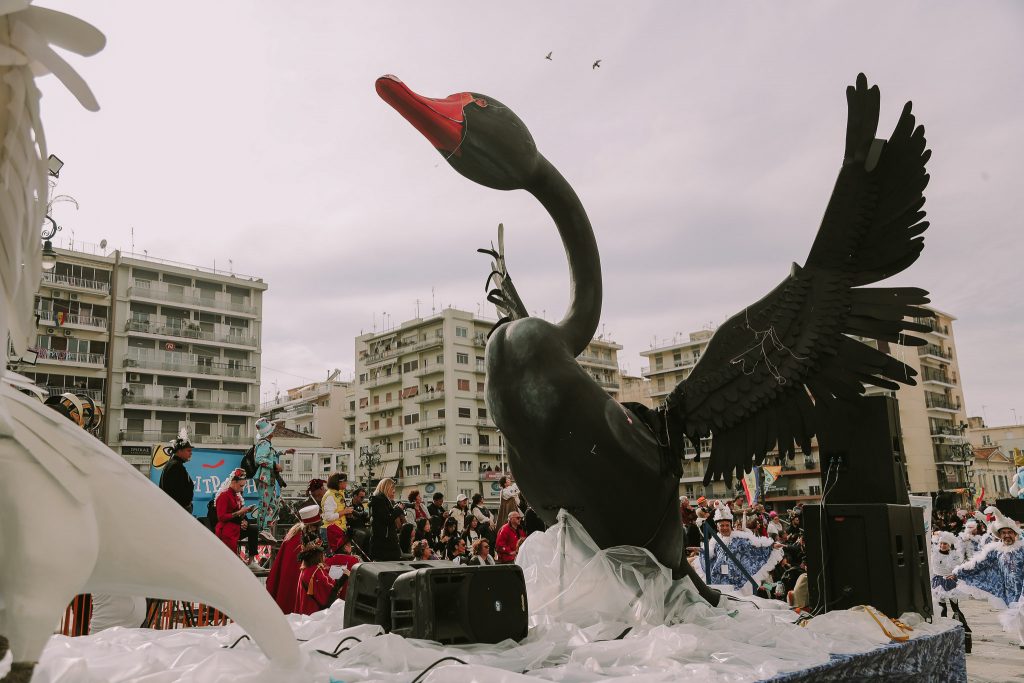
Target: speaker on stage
[
  {"x": 459, "y": 604},
  {"x": 1012, "y": 508},
  {"x": 863, "y": 436},
  {"x": 869, "y": 554},
  {"x": 368, "y": 599}
]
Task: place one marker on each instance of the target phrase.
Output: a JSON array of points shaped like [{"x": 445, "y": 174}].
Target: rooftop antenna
[
  {"x": 133, "y": 240},
  {"x": 433, "y": 306},
  {"x": 103, "y": 246},
  {"x": 417, "y": 308},
  {"x": 231, "y": 267}
]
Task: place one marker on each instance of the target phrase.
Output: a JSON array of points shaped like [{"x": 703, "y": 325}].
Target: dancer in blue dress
[{"x": 757, "y": 554}]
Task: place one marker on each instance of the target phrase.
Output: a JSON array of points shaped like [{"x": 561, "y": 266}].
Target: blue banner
[{"x": 208, "y": 469}]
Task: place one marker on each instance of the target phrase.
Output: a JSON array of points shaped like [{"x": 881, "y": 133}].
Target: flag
[
  {"x": 977, "y": 503},
  {"x": 750, "y": 485},
  {"x": 769, "y": 473},
  {"x": 60, "y": 318}
]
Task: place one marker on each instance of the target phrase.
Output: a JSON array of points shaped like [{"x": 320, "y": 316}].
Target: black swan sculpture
[{"x": 762, "y": 372}]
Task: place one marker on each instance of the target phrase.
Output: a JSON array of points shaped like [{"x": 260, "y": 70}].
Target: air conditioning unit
[
  {"x": 49, "y": 330},
  {"x": 58, "y": 295},
  {"x": 67, "y": 333},
  {"x": 134, "y": 377},
  {"x": 73, "y": 295}
]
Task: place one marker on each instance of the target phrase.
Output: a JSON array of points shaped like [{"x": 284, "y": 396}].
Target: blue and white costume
[
  {"x": 996, "y": 572},
  {"x": 970, "y": 542},
  {"x": 1017, "y": 487},
  {"x": 943, "y": 564},
  {"x": 757, "y": 554}
]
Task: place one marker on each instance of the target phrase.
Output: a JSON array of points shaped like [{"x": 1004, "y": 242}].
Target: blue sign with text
[{"x": 208, "y": 469}]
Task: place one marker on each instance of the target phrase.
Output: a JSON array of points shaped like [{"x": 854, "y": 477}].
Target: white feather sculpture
[{"x": 74, "y": 516}]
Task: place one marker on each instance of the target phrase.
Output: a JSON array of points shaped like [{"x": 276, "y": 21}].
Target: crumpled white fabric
[{"x": 581, "y": 599}]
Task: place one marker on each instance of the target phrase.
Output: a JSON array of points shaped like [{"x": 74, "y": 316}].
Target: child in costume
[
  {"x": 945, "y": 559},
  {"x": 757, "y": 554}
]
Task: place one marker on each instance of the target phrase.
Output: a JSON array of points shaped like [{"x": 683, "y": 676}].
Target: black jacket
[
  {"x": 384, "y": 534},
  {"x": 175, "y": 482}
]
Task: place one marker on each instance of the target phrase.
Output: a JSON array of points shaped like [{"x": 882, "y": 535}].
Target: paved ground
[{"x": 995, "y": 657}]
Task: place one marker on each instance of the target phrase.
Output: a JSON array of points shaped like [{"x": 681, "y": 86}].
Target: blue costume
[
  {"x": 1017, "y": 487},
  {"x": 757, "y": 554},
  {"x": 266, "y": 457}
]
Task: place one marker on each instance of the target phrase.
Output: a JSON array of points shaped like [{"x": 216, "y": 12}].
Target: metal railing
[
  {"x": 436, "y": 395},
  {"x": 159, "y": 436},
  {"x": 597, "y": 360},
  {"x": 189, "y": 295},
  {"x": 95, "y": 394},
  {"x": 941, "y": 402},
  {"x": 188, "y": 332},
  {"x": 203, "y": 401},
  {"x": 185, "y": 362},
  {"x": 50, "y": 317},
  {"x": 933, "y": 375},
  {"x": 933, "y": 350},
  {"x": 53, "y": 278},
  {"x": 71, "y": 357},
  {"x": 382, "y": 380}
]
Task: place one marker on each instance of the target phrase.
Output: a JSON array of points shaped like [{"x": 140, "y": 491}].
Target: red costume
[
  {"x": 284, "y": 574},
  {"x": 507, "y": 543},
  {"x": 313, "y": 590},
  {"x": 229, "y": 527},
  {"x": 343, "y": 560},
  {"x": 335, "y": 538}
]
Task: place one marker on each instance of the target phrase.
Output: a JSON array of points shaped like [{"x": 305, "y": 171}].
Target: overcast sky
[{"x": 704, "y": 149}]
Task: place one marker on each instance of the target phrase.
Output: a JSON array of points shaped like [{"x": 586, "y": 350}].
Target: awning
[
  {"x": 409, "y": 392},
  {"x": 388, "y": 469}
]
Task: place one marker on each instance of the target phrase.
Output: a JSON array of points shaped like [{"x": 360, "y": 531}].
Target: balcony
[
  {"x": 95, "y": 394},
  {"x": 88, "y": 360},
  {"x": 294, "y": 412},
  {"x": 399, "y": 349},
  {"x": 380, "y": 407},
  {"x": 172, "y": 327},
  {"x": 432, "y": 450},
  {"x": 173, "y": 361},
  {"x": 427, "y": 396},
  {"x": 160, "y": 436},
  {"x": 426, "y": 425},
  {"x": 597, "y": 360},
  {"x": 933, "y": 352},
  {"x": 385, "y": 431},
  {"x": 941, "y": 330},
  {"x": 486, "y": 424},
  {"x": 191, "y": 296},
  {"x": 177, "y": 397},
  {"x": 435, "y": 369},
  {"x": 383, "y": 380},
  {"x": 73, "y": 321},
  {"x": 648, "y": 372},
  {"x": 935, "y": 402},
  {"x": 933, "y": 376},
  {"x": 604, "y": 384},
  {"x": 486, "y": 449},
  {"x": 53, "y": 279}
]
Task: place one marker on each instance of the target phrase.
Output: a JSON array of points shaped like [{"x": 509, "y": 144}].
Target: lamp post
[
  {"x": 369, "y": 457},
  {"x": 49, "y": 260}
]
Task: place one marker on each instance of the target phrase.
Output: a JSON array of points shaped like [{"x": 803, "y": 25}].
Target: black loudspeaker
[
  {"x": 860, "y": 442},
  {"x": 456, "y": 604},
  {"x": 872, "y": 554},
  {"x": 1012, "y": 508},
  {"x": 368, "y": 599}
]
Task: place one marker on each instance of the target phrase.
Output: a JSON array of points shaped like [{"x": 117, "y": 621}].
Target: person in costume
[
  {"x": 268, "y": 466},
  {"x": 1017, "y": 487},
  {"x": 284, "y": 572},
  {"x": 971, "y": 538},
  {"x": 757, "y": 554},
  {"x": 317, "y": 588},
  {"x": 231, "y": 512},
  {"x": 944, "y": 560},
  {"x": 996, "y": 572},
  {"x": 334, "y": 509},
  {"x": 315, "y": 492},
  {"x": 174, "y": 480},
  {"x": 509, "y": 498}
]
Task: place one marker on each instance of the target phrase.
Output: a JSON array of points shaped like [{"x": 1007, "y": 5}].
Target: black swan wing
[{"x": 754, "y": 384}]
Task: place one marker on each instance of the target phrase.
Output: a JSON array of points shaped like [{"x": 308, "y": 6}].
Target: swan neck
[{"x": 560, "y": 200}]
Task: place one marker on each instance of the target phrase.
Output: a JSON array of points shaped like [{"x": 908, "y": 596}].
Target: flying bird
[
  {"x": 548, "y": 57},
  {"x": 755, "y": 382},
  {"x": 596, "y": 65}
]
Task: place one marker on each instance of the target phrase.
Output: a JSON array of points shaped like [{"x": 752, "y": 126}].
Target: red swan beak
[{"x": 442, "y": 122}]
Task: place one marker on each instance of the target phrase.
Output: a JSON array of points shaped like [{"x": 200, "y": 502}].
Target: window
[
  {"x": 485, "y": 440},
  {"x": 465, "y": 466},
  {"x": 661, "y": 384},
  {"x": 444, "y": 467},
  {"x": 462, "y": 358},
  {"x": 363, "y": 377},
  {"x": 658, "y": 363},
  {"x": 364, "y": 402},
  {"x": 481, "y": 413},
  {"x": 463, "y": 384},
  {"x": 376, "y": 402},
  {"x": 410, "y": 366},
  {"x": 307, "y": 463},
  {"x": 442, "y": 439},
  {"x": 376, "y": 425},
  {"x": 412, "y": 470},
  {"x": 479, "y": 386},
  {"x": 465, "y": 439},
  {"x": 412, "y": 444},
  {"x": 468, "y": 493},
  {"x": 677, "y": 358},
  {"x": 440, "y": 414},
  {"x": 696, "y": 355},
  {"x": 440, "y": 359},
  {"x": 480, "y": 367},
  {"x": 465, "y": 412},
  {"x": 411, "y": 419},
  {"x": 461, "y": 332},
  {"x": 387, "y": 397}
]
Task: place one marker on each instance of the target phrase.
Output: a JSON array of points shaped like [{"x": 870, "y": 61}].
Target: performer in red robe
[
  {"x": 345, "y": 559},
  {"x": 231, "y": 509},
  {"x": 284, "y": 572},
  {"x": 316, "y": 590}
]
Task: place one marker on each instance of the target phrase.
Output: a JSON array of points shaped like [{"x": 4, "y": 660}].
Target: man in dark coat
[{"x": 174, "y": 480}]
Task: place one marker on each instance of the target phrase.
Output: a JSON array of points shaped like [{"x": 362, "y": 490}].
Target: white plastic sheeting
[{"x": 581, "y": 599}]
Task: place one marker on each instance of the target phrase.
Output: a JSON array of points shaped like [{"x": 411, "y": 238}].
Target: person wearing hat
[
  {"x": 509, "y": 537},
  {"x": 1017, "y": 487},
  {"x": 459, "y": 511},
  {"x": 944, "y": 560},
  {"x": 315, "y": 492},
  {"x": 284, "y": 572},
  {"x": 174, "y": 480},
  {"x": 231, "y": 512},
  {"x": 334, "y": 509},
  {"x": 996, "y": 572},
  {"x": 757, "y": 554},
  {"x": 268, "y": 466},
  {"x": 316, "y": 588},
  {"x": 971, "y": 538}
]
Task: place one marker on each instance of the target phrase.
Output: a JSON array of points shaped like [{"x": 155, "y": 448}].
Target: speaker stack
[
  {"x": 436, "y": 600},
  {"x": 866, "y": 545}
]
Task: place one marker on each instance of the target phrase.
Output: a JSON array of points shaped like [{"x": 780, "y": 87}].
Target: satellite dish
[{"x": 103, "y": 244}]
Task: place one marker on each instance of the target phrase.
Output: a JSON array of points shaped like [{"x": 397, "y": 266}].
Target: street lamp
[
  {"x": 49, "y": 260},
  {"x": 54, "y": 164}
]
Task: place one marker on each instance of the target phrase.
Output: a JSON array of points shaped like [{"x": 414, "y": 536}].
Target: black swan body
[{"x": 572, "y": 446}]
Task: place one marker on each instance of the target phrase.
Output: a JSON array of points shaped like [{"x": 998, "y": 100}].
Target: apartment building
[
  {"x": 931, "y": 415},
  {"x": 419, "y": 403},
  {"x": 1009, "y": 438},
  {"x": 184, "y": 352},
  {"x": 315, "y": 419},
  {"x": 635, "y": 390},
  {"x": 73, "y": 313}
]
